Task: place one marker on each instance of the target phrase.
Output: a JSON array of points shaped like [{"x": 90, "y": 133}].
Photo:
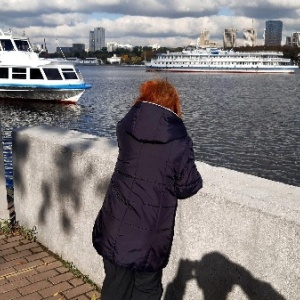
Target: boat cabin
[
  {"x": 39, "y": 73},
  {"x": 7, "y": 43}
]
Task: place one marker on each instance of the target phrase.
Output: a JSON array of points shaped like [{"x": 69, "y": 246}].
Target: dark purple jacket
[{"x": 155, "y": 167}]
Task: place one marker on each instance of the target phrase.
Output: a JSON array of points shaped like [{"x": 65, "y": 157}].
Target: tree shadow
[
  {"x": 216, "y": 276},
  {"x": 70, "y": 181},
  {"x": 62, "y": 189}
]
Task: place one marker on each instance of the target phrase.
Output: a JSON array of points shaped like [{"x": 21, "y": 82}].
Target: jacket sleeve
[{"x": 188, "y": 180}]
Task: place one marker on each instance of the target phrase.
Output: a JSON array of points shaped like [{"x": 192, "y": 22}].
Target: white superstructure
[
  {"x": 26, "y": 76},
  {"x": 223, "y": 61}
]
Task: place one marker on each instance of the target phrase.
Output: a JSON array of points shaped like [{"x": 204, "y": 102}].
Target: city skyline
[{"x": 168, "y": 23}]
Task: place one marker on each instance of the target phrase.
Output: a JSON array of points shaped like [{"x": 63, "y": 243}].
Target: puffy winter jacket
[{"x": 155, "y": 167}]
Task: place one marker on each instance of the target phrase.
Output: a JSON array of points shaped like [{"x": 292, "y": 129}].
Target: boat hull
[
  {"x": 223, "y": 70},
  {"x": 49, "y": 95}
]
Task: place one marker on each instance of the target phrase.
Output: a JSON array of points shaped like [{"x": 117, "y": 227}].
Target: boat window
[
  {"x": 52, "y": 74},
  {"x": 36, "y": 74},
  {"x": 22, "y": 45},
  {"x": 69, "y": 74},
  {"x": 19, "y": 73},
  {"x": 3, "y": 72},
  {"x": 7, "y": 45}
]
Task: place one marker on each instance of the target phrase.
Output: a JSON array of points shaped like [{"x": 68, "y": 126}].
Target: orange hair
[{"x": 160, "y": 92}]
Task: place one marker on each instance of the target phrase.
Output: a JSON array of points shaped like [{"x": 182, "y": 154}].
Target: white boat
[
  {"x": 26, "y": 76},
  {"x": 221, "y": 61}
]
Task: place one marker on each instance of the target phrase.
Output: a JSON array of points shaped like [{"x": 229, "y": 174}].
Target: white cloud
[{"x": 143, "y": 22}]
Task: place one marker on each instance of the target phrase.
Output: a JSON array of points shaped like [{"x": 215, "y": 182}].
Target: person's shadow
[{"x": 216, "y": 275}]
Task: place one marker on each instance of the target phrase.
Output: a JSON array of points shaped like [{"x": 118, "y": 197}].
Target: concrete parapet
[
  {"x": 4, "y": 211},
  {"x": 238, "y": 238}
]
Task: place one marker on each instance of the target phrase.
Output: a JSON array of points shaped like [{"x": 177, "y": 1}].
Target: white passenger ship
[
  {"x": 221, "y": 61},
  {"x": 26, "y": 76}
]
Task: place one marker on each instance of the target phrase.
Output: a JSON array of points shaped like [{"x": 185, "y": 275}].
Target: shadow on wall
[
  {"x": 22, "y": 151},
  {"x": 216, "y": 276},
  {"x": 69, "y": 182}
]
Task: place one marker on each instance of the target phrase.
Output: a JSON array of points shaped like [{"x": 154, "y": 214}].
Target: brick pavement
[{"x": 29, "y": 272}]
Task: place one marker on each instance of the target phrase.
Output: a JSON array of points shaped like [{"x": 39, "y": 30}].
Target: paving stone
[
  {"x": 37, "y": 249},
  {"x": 82, "y": 297},
  {"x": 43, "y": 275},
  {"x": 13, "y": 285},
  {"x": 77, "y": 291},
  {"x": 18, "y": 276},
  {"x": 26, "y": 246},
  {"x": 50, "y": 292},
  {"x": 13, "y": 263},
  {"x": 14, "y": 238},
  {"x": 9, "y": 245},
  {"x": 61, "y": 277},
  {"x": 28, "y": 265},
  {"x": 62, "y": 270},
  {"x": 7, "y": 251},
  {"x": 34, "y": 287},
  {"x": 93, "y": 294},
  {"x": 10, "y": 295},
  {"x": 76, "y": 281},
  {"x": 28, "y": 272},
  {"x": 3, "y": 281},
  {"x": 37, "y": 256},
  {"x": 46, "y": 267},
  {"x": 17, "y": 255},
  {"x": 48, "y": 259},
  {"x": 33, "y": 296},
  {"x": 7, "y": 271}
]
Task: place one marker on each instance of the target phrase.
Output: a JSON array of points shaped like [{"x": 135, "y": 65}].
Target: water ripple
[{"x": 245, "y": 122}]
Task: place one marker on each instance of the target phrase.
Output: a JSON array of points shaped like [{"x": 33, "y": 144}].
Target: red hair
[{"x": 160, "y": 92}]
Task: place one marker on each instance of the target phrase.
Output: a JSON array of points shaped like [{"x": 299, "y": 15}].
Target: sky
[{"x": 169, "y": 23}]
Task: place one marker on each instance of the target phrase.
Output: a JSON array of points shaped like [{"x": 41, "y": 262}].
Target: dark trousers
[{"x": 124, "y": 284}]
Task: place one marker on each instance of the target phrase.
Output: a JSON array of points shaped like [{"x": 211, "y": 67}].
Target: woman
[{"x": 155, "y": 167}]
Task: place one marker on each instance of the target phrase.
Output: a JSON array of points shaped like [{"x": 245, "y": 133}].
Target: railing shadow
[{"x": 216, "y": 276}]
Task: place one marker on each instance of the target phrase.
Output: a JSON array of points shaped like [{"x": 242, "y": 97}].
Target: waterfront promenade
[
  {"x": 240, "y": 233},
  {"x": 28, "y": 271}
]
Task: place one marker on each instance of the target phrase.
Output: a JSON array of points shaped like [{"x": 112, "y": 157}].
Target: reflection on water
[{"x": 244, "y": 122}]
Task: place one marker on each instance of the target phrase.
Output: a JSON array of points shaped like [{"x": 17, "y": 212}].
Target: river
[{"x": 245, "y": 122}]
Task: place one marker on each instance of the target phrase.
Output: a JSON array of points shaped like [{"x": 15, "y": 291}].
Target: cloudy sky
[{"x": 143, "y": 22}]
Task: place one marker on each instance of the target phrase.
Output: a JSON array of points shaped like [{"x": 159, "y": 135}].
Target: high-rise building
[
  {"x": 203, "y": 40},
  {"x": 97, "y": 39},
  {"x": 273, "y": 33},
  {"x": 250, "y": 37},
  {"x": 295, "y": 39},
  {"x": 229, "y": 38},
  {"x": 78, "y": 47}
]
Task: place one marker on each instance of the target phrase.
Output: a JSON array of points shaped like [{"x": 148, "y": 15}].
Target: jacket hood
[{"x": 149, "y": 122}]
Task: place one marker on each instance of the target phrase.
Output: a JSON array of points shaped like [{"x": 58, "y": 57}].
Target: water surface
[{"x": 245, "y": 122}]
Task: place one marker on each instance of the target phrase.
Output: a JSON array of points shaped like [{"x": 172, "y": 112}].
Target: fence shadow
[{"x": 216, "y": 276}]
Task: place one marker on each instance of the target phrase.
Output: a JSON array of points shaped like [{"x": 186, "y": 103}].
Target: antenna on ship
[
  {"x": 45, "y": 46},
  {"x": 60, "y": 50}
]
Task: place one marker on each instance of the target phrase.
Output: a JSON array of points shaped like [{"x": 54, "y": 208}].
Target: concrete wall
[
  {"x": 238, "y": 238},
  {"x": 4, "y": 212}
]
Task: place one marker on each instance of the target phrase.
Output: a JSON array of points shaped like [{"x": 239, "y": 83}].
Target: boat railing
[{"x": 5, "y": 33}]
